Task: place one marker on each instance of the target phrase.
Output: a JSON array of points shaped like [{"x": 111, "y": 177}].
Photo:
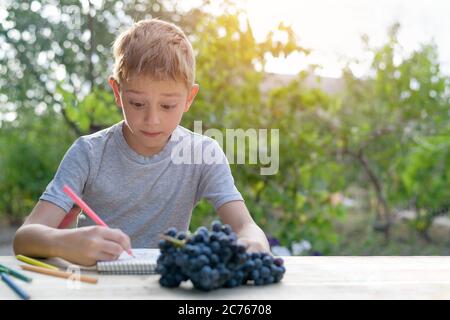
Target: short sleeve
[
  {"x": 73, "y": 171},
  {"x": 216, "y": 182}
]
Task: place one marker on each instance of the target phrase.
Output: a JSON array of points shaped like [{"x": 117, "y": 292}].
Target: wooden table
[{"x": 306, "y": 278}]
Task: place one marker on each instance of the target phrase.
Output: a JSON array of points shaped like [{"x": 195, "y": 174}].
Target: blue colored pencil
[{"x": 14, "y": 286}]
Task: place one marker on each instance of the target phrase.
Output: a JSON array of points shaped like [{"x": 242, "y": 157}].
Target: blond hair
[{"x": 156, "y": 48}]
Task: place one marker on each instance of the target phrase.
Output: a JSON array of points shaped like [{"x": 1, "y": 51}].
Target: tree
[
  {"x": 59, "y": 52},
  {"x": 383, "y": 118}
]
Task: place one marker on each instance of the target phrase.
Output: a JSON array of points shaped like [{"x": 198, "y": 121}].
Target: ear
[
  {"x": 115, "y": 87},
  {"x": 191, "y": 96}
]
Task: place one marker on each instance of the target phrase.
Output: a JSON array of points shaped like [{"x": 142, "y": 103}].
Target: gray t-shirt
[{"x": 143, "y": 196}]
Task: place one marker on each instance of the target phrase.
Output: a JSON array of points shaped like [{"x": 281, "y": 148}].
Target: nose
[{"x": 151, "y": 117}]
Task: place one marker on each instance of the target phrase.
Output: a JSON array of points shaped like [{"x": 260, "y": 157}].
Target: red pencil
[{"x": 83, "y": 205}]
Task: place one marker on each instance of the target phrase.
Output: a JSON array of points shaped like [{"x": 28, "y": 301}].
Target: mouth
[{"x": 151, "y": 134}]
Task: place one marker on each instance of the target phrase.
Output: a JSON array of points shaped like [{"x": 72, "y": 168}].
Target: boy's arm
[
  {"x": 36, "y": 236},
  {"x": 217, "y": 186},
  {"x": 39, "y": 236},
  {"x": 42, "y": 235},
  {"x": 235, "y": 214}
]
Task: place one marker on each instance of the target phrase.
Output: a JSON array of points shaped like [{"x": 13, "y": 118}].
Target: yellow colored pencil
[
  {"x": 35, "y": 262},
  {"x": 58, "y": 273}
]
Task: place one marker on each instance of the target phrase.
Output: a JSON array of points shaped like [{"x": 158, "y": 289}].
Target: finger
[
  {"x": 111, "y": 247},
  {"x": 256, "y": 247},
  {"x": 243, "y": 242},
  {"x": 119, "y": 237},
  {"x": 104, "y": 256}
]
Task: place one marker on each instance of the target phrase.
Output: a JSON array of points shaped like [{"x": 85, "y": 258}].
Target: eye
[
  {"x": 137, "y": 104},
  {"x": 168, "y": 106}
]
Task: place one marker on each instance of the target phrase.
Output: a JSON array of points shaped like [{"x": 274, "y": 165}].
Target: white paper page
[{"x": 140, "y": 254}]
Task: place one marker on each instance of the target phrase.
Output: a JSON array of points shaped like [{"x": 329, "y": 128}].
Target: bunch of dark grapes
[{"x": 213, "y": 259}]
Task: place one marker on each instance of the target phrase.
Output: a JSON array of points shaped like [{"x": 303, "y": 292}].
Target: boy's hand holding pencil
[{"x": 87, "y": 245}]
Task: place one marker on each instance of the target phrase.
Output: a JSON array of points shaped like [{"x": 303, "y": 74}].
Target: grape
[
  {"x": 171, "y": 232},
  {"x": 213, "y": 259}
]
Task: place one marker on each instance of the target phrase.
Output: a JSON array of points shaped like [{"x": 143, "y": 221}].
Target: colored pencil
[
  {"x": 20, "y": 292},
  {"x": 83, "y": 205},
  {"x": 35, "y": 262},
  {"x": 59, "y": 274},
  {"x": 14, "y": 273}
]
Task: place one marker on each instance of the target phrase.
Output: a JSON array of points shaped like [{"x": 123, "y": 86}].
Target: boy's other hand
[
  {"x": 253, "y": 245},
  {"x": 87, "y": 245}
]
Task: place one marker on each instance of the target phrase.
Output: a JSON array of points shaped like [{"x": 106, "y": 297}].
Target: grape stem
[{"x": 176, "y": 242}]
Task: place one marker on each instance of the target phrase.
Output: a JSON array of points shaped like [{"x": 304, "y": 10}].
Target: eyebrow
[
  {"x": 134, "y": 91},
  {"x": 171, "y": 94},
  {"x": 168, "y": 94}
]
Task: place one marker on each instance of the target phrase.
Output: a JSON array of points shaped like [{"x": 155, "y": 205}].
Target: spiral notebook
[{"x": 143, "y": 262}]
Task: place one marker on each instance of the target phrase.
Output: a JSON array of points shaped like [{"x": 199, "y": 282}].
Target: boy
[{"x": 125, "y": 172}]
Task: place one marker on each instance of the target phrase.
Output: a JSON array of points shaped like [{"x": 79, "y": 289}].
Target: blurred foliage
[
  {"x": 386, "y": 134},
  {"x": 29, "y": 159},
  {"x": 388, "y": 121}
]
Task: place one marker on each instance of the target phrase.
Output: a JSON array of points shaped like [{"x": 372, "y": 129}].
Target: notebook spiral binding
[{"x": 128, "y": 267}]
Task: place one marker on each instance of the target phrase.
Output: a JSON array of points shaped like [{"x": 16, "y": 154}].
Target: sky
[{"x": 333, "y": 28}]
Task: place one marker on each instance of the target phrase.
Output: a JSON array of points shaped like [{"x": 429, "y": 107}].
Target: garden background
[{"x": 364, "y": 161}]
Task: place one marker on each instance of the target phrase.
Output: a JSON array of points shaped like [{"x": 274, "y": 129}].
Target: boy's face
[{"x": 152, "y": 110}]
